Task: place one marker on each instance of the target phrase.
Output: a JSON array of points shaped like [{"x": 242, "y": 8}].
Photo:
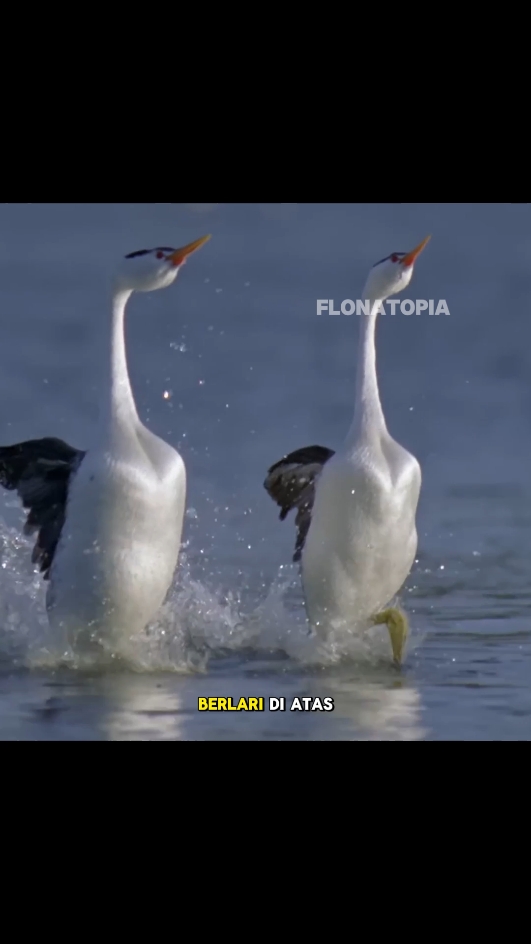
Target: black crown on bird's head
[
  {"x": 407, "y": 258},
  {"x": 175, "y": 257},
  {"x": 394, "y": 257},
  {"x": 146, "y": 252}
]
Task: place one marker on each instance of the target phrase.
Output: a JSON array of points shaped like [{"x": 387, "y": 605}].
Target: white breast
[
  {"x": 362, "y": 540},
  {"x": 120, "y": 543}
]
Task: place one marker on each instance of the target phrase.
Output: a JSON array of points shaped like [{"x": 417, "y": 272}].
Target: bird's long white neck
[
  {"x": 118, "y": 409},
  {"x": 369, "y": 422}
]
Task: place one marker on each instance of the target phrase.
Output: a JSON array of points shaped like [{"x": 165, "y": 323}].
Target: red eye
[
  {"x": 160, "y": 255},
  {"x": 394, "y": 258}
]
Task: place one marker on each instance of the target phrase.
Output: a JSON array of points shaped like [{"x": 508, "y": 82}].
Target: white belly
[
  {"x": 119, "y": 548},
  {"x": 361, "y": 544}
]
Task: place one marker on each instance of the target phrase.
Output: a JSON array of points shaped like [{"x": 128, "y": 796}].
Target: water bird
[
  {"x": 108, "y": 520},
  {"x": 356, "y": 508}
]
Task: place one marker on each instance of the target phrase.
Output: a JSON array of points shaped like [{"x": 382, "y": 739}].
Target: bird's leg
[{"x": 397, "y": 624}]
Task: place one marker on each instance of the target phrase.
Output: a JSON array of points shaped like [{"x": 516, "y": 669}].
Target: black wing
[
  {"x": 40, "y": 471},
  {"x": 291, "y": 484}
]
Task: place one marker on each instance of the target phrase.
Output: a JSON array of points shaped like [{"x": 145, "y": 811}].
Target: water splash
[{"x": 197, "y": 623}]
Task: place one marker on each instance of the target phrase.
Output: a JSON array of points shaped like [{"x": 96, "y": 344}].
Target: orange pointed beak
[
  {"x": 179, "y": 255},
  {"x": 411, "y": 256}
]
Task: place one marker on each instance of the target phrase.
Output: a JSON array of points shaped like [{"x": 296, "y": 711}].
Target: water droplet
[{"x": 167, "y": 394}]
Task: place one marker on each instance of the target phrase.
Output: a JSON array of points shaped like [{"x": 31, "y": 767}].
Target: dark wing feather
[
  {"x": 40, "y": 471},
  {"x": 291, "y": 484}
]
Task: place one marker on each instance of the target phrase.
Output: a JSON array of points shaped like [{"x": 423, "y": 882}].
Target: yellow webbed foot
[{"x": 397, "y": 624}]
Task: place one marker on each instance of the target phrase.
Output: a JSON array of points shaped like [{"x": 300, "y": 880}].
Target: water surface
[{"x": 233, "y": 367}]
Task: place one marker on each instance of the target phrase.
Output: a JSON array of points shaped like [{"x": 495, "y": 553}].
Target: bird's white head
[
  {"x": 392, "y": 274},
  {"x": 149, "y": 269}
]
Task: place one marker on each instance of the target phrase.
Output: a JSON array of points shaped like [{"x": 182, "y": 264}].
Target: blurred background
[{"x": 233, "y": 367}]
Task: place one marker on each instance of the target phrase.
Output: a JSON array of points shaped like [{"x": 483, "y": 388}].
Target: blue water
[{"x": 250, "y": 372}]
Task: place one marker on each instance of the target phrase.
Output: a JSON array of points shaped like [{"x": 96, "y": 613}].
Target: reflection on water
[
  {"x": 376, "y": 710},
  {"x": 123, "y": 707},
  {"x": 253, "y": 373},
  {"x": 136, "y": 711}
]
